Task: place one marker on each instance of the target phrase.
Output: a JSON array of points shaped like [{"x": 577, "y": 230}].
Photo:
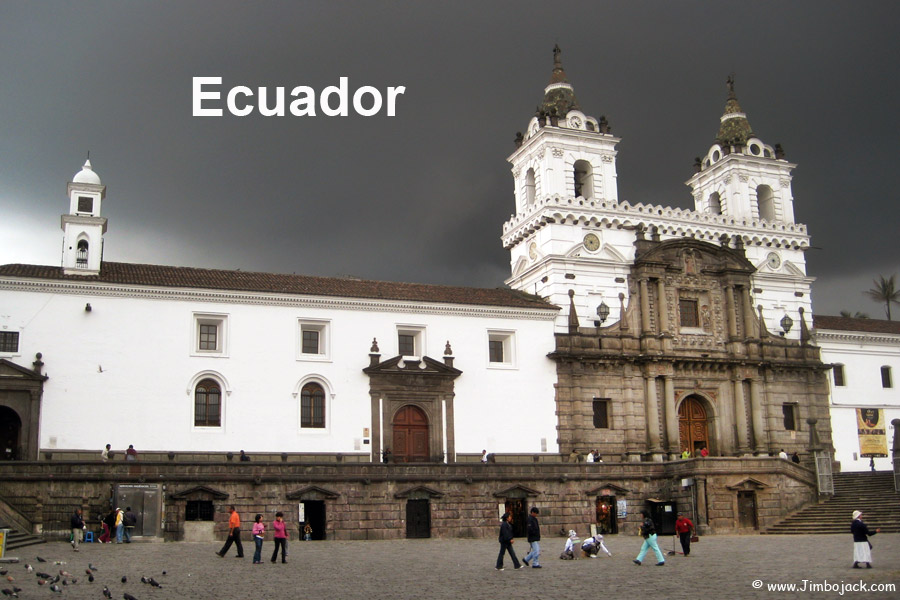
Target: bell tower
[{"x": 83, "y": 227}]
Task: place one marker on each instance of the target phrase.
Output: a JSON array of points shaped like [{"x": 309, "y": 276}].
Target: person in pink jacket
[
  {"x": 281, "y": 536},
  {"x": 259, "y": 530}
]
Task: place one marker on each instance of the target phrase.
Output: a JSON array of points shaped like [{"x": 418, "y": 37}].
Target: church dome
[{"x": 87, "y": 175}]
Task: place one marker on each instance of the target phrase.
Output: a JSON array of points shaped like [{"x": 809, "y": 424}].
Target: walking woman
[
  {"x": 648, "y": 532},
  {"x": 862, "y": 549},
  {"x": 259, "y": 530}
]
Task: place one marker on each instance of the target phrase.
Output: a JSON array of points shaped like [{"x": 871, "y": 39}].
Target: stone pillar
[
  {"x": 740, "y": 415},
  {"x": 633, "y": 445},
  {"x": 757, "y": 410},
  {"x": 730, "y": 312},
  {"x": 652, "y": 415},
  {"x": 671, "y": 418},
  {"x": 661, "y": 306},
  {"x": 702, "y": 509},
  {"x": 747, "y": 312},
  {"x": 896, "y": 453},
  {"x": 645, "y": 307}
]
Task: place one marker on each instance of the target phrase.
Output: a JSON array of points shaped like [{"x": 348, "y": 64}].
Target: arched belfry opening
[
  {"x": 715, "y": 204},
  {"x": 81, "y": 254},
  {"x": 529, "y": 187},
  {"x": 765, "y": 201},
  {"x": 583, "y": 173}
]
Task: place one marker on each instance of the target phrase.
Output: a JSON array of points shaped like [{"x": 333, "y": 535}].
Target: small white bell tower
[
  {"x": 740, "y": 176},
  {"x": 83, "y": 227}
]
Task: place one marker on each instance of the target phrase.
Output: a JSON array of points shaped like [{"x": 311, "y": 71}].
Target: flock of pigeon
[{"x": 64, "y": 578}]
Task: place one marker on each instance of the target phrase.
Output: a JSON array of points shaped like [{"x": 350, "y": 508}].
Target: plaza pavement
[{"x": 719, "y": 567}]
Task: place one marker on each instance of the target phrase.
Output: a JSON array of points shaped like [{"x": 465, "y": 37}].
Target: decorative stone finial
[
  {"x": 448, "y": 351},
  {"x": 38, "y": 364},
  {"x": 573, "y": 315},
  {"x": 374, "y": 349}
]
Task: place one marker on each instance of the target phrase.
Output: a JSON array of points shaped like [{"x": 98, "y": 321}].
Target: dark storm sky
[{"x": 422, "y": 196}]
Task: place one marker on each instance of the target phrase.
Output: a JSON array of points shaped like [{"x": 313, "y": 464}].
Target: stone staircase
[
  {"x": 17, "y": 539},
  {"x": 872, "y": 493}
]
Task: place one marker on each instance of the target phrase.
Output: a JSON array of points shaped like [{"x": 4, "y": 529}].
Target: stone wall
[{"x": 368, "y": 501}]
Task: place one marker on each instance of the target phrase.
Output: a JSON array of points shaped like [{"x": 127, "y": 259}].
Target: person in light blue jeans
[
  {"x": 648, "y": 532},
  {"x": 533, "y": 531}
]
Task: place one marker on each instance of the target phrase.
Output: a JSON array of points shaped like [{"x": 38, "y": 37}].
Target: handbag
[{"x": 695, "y": 539}]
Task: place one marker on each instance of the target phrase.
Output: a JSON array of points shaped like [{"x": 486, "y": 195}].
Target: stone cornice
[
  {"x": 853, "y": 337},
  {"x": 677, "y": 222},
  {"x": 261, "y": 299}
]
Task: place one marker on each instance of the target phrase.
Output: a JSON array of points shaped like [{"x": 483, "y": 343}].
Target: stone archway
[
  {"x": 20, "y": 398},
  {"x": 693, "y": 425},
  {"x": 410, "y": 434},
  {"x": 10, "y": 430}
]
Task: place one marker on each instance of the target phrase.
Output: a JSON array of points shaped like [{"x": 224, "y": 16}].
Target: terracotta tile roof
[
  {"x": 246, "y": 281},
  {"x": 851, "y": 324}
]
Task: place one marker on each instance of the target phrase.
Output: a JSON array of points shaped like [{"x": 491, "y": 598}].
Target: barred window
[
  {"x": 312, "y": 406},
  {"x": 601, "y": 413},
  {"x": 690, "y": 317},
  {"x": 207, "y": 404},
  {"x": 9, "y": 341}
]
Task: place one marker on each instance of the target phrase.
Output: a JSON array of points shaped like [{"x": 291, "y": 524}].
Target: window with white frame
[
  {"x": 9, "y": 342},
  {"x": 312, "y": 406},
  {"x": 501, "y": 348},
  {"x": 886, "y": 381},
  {"x": 208, "y": 404},
  {"x": 210, "y": 335},
  {"x": 314, "y": 339},
  {"x": 837, "y": 370},
  {"x": 410, "y": 340}
]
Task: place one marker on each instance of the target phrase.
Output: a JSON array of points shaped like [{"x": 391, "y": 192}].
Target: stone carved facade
[{"x": 689, "y": 339}]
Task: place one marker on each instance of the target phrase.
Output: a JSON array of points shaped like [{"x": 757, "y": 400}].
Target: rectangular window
[
  {"x": 407, "y": 344},
  {"x": 886, "y": 377},
  {"x": 838, "y": 371},
  {"x": 199, "y": 510},
  {"x": 601, "y": 413},
  {"x": 9, "y": 341},
  {"x": 209, "y": 337},
  {"x": 310, "y": 341},
  {"x": 85, "y": 204},
  {"x": 314, "y": 339},
  {"x": 789, "y": 410},
  {"x": 687, "y": 308},
  {"x": 495, "y": 350},
  {"x": 501, "y": 349}
]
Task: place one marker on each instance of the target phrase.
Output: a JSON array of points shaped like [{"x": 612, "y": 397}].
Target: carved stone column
[
  {"x": 661, "y": 306},
  {"x": 645, "y": 307},
  {"x": 652, "y": 415},
  {"x": 702, "y": 511},
  {"x": 747, "y": 312},
  {"x": 757, "y": 410},
  {"x": 729, "y": 309},
  {"x": 740, "y": 415},
  {"x": 671, "y": 418}
]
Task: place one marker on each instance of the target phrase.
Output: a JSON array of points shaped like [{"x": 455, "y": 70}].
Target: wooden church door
[{"x": 410, "y": 433}]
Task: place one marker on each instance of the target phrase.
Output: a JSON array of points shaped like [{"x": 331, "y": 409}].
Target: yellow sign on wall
[{"x": 871, "y": 431}]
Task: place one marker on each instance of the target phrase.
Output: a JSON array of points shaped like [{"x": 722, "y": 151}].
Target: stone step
[{"x": 17, "y": 539}]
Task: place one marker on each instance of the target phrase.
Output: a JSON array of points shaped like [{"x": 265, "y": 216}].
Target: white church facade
[{"x": 637, "y": 330}]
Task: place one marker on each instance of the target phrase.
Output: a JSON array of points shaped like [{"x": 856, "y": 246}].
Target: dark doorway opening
[
  {"x": 605, "y": 508},
  {"x": 410, "y": 435},
  {"x": 746, "y": 502},
  {"x": 418, "y": 518},
  {"x": 663, "y": 515},
  {"x": 10, "y": 429},
  {"x": 314, "y": 515},
  {"x": 518, "y": 515}
]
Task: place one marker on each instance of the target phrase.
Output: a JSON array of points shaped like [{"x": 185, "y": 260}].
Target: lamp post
[{"x": 602, "y": 312}]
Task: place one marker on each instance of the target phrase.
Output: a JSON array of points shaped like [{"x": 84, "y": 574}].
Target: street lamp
[
  {"x": 786, "y": 324},
  {"x": 602, "y": 312}
]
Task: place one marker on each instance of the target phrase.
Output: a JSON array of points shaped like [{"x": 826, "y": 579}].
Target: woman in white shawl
[{"x": 862, "y": 550}]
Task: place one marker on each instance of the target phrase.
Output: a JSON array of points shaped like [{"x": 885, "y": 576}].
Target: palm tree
[
  {"x": 886, "y": 291},
  {"x": 857, "y": 315}
]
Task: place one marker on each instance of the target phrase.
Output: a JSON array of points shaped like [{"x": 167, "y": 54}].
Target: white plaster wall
[
  {"x": 862, "y": 356},
  {"x": 122, "y": 373}
]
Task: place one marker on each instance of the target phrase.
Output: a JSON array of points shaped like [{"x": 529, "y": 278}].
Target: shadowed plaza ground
[{"x": 719, "y": 567}]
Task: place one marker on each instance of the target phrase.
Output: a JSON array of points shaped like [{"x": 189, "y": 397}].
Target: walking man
[
  {"x": 685, "y": 530},
  {"x": 648, "y": 532},
  {"x": 506, "y": 540},
  {"x": 533, "y": 529},
  {"x": 234, "y": 534},
  {"x": 129, "y": 520},
  {"x": 77, "y": 525}
]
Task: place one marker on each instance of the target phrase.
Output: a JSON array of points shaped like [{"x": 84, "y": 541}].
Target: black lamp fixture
[
  {"x": 87, "y": 307},
  {"x": 602, "y": 312},
  {"x": 786, "y": 324}
]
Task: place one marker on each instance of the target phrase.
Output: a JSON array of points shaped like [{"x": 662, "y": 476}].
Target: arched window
[
  {"x": 529, "y": 187},
  {"x": 584, "y": 179},
  {"x": 312, "y": 406},
  {"x": 81, "y": 257},
  {"x": 715, "y": 204},
  {"x": 208, "y": 404},
  {"x": 765, "y": 201}
]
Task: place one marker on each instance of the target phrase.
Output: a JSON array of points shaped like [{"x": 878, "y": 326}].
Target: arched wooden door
[
  {"x": 692, "y": 426},
  {"x": 410, "y": 433}
]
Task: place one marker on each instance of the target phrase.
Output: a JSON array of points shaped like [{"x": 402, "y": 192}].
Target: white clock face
[
  {"x": 773, "y": 260},
  {"x": 532, "y": 250},
  {"x": 591, "y": 242}
]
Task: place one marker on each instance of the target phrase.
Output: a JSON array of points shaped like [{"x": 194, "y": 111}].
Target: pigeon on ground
[
  {"x": 3, "y": 571},
  {"x": 92, "y": 567},
  {"x": 60, "y": 562},
  {"x": 8, "y": 592},
  {"x": 28, "y": 568},
  {"x": 106, "y": 592},
  {"x": 91, "y": 578},
  {"x": 44, "y": 575},
  {"x": 154, "y": 582},
  {"x": 128, "y": 596},
  {"x": 64, "y": 573},
  {"x": 164, "y": 572},
  {"x": 144, "y": 579},
  {"x": 39, "y": 559},
  {"x": 56, "y": 588},
  {"x": 124, "y": 579}
]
